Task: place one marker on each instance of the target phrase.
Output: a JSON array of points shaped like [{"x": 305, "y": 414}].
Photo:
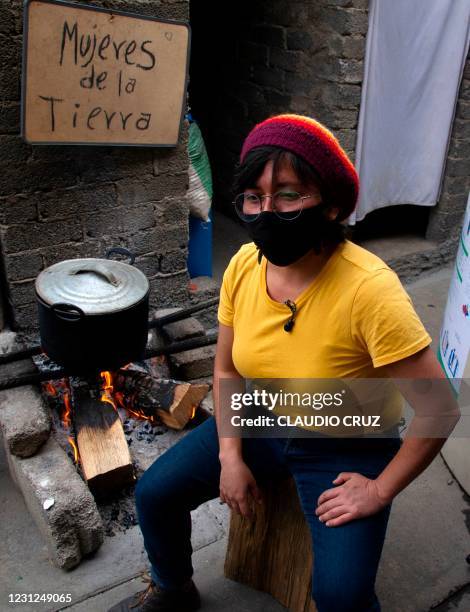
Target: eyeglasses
[{"x": 287, "y": 205}]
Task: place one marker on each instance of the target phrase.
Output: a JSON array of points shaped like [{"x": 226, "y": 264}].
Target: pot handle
[
  {"x": 121, "y": 251},
  {"x": 67, "y": 312},
  {"x": 96, "y": 268}
]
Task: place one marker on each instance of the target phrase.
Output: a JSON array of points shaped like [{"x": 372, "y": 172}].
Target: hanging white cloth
[{"x": 415, "y": 55}]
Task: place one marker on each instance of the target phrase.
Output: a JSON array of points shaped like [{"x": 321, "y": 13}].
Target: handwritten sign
[{"x": 97, "y": 76}]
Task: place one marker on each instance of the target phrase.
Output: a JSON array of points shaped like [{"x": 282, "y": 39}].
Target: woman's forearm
[
  {"x": 229, "y": 448},
  {"x": 413, "y": 458}
]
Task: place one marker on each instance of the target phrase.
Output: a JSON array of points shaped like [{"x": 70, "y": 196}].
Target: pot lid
[{"x": 96, "y": 286}]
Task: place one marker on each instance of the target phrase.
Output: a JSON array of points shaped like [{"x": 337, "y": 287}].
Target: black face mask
[{"x": 283, "y": 242}]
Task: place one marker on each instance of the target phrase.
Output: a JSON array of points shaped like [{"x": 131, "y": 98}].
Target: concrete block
[
  {"x": 286, "y": 60},
  {"x": 299, "y": 40},
  {"x": 24, "y": 420},
  {"x": 194, "y": 363},
  {"x": 168, "y": 291},
  {"x": 184, "y": 329},
  {"x": 24, "y": 266},
  {"x": 29, "y": 236},
  {"x": 71, "y": 526},
  {"x": 70, "y": 202},
  {"x": 203, "y": 288}
]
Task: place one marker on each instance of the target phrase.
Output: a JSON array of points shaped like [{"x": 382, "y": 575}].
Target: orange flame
[
  {"x": 74, "y": 448},
  {"x": 67, "y": 415},
  {"x": 193, "y": 413},
  {"x": 50, "y": 389},
  {"x": 108, "y": 389}
]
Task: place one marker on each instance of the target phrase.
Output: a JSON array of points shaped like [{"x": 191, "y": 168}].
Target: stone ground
[{"x": 423, "y": 564}]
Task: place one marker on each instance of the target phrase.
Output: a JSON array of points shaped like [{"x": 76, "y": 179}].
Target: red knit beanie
[{"x": 313, "y": 142}]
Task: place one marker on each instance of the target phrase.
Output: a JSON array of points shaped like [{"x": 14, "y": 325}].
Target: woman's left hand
[{"x": 356, "y": 497}]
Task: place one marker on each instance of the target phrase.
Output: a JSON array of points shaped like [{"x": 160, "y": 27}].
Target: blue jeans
[{"x": 346, "y": 557}]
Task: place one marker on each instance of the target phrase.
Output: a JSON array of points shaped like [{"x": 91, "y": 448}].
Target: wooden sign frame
[{"x": 101, "y": 142}]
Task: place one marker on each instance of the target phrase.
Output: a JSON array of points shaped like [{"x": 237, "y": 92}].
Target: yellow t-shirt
[{"x": 352, "y": 319}]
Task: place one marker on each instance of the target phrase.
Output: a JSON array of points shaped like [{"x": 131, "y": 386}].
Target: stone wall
[
  {"x": 302, "y": 56},
  {"x": 445, "y": 220},
  {"x": 61, "y": 202}
]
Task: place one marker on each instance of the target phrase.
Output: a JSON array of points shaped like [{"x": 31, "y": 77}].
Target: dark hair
[{"x": 247, "y": 174}]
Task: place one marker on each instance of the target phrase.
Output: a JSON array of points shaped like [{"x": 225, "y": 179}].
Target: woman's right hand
[{"x": 238, "y": 488}]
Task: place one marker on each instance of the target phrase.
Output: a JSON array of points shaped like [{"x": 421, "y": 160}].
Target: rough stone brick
[
  {"x": 138, "y": 218},
  {"x": 21, "y": 267},
  {"x": 101, "y": 164},
  {"x": 354, "y": 47},
  {"x": 72, "y": 526},
  {"x": 175, "y": 161},
  {"x": 443, "y": 226},
  {"x": 343, "y": 96},
  {"x": 296, "y": 84},
  {"x": 163, "y": 263},
  {"x": 151, "y": 189},
  {"x": 24, "y": 419},
  {"x": 107, "y": 223},
  {"x": 184, "y": 329},
  {"x": 77, "y": 201},
  {"x": 169, "y": 291},
  {"x": 454, "y": 186},
  {"x": 17, "y": 238},
  {"x": 193, "y": 363},
  {"x": 340, "y": 119},
  {"x": 76, "y": 250},
  {"x": 172, "y": 212},
  {"x": 464, "y": 93},
  {"x": 346, "y": 21},
  {"x": 461, "y": 128},
  {"x": 286, "y": 60},
  {"x": 9, "y": 116},
  {"x": 13, "y": 150},
  {"x": 26, "y": 318},
  {"x": 18, "y": 209},
  {"x": 22, "y": 292},
  {"x": 459, "y": 148},
  {"x": 7, "y": 20},
  {"x": 457, "y": 167},
  {"x": 34, "y": 176},
  {"x": 299, "y": 40},
  {"x": 161, "y": 239},
  {"x": 347, "y": 138},
  {"x": 10, "y": 67},
  {"x": 463, "y": 110}
]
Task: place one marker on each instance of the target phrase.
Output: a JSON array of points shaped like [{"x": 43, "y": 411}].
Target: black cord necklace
[{"x": 290, "y": 323}]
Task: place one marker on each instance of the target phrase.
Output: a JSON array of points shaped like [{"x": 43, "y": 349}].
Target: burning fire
[
  {"x": 108, "y": 389},
  {"x": 116, "y": 399},
  {"x": 62, "y": 388}
]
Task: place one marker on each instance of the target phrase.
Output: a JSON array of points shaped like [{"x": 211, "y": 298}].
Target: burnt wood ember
[
  {"x": 174, "y": 403},
  {"x": 104, "y": 453}
]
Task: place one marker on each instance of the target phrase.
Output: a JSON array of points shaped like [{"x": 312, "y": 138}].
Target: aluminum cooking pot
[{"x": 93, "y": 313}]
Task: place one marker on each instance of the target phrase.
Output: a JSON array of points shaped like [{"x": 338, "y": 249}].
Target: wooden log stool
[{"x": 272, "y": 552}]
